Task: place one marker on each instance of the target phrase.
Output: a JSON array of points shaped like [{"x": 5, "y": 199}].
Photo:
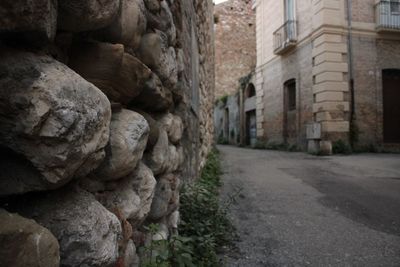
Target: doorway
[
  {"x": 391, "y": 105},
  {"x": 290, "y": 112}
]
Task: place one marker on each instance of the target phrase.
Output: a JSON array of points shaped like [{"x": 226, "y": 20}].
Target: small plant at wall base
[
  {"x": 205, "y": 221},
  {"x": 341, "y": 147},
  {"x": 205, "y": 226}
]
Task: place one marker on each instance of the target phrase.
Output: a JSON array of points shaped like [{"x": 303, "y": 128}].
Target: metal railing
[
  {"x": 388, "y": 15},
  {"x": 285, "y": 37}
]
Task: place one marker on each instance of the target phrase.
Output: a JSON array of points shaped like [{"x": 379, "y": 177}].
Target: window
[
  {"x": 395, "y": 6},
  {"x": 251, "y": 91}
]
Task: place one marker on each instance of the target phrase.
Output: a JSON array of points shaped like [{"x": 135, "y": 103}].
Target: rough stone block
[
  {"x": 129, "y": 132},
  {"x": 23, "y": 243},
  {"x": 119, "y": 75},
  {"x": 57, "y": 124},
  {"x": 35, "y": 21},
  {"x": 87, "y": 232},
  {"x": 86, "y": 15},
  {"x": 128, "y": 26}
]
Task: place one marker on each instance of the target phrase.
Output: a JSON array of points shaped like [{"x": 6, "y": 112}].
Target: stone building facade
[
  {"x": 106, "y": 108},
  {"x": 321, "y": 77},
  {"x": 235, "y": 48},
  {"x": 235, "y": 44}
]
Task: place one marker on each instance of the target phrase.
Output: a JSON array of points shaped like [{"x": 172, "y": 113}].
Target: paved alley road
[{"x": 299, "y": 210}]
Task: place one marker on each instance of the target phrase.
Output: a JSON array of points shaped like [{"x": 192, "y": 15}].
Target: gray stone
[
  {"x": 163, "y": 21},
  {"x": 129, "y": 26},
  {"x": 154, "y": 97},
  {"x": 87, "y": 232},
  {"x": 123, "y": 198},
  {"x": 153, "y": 5},
  {"x": 146, "y": 184},
  {"x": 119, "y": 75},
  {"x": 157, "y": 158},
  {"x": 155, "y": 53},
  {"x": 154, "y": 130},
  {"x": 128, "y": 139},
  {"x": 57, "y": 124},
  {"x": 162, "y": 197},
  {"x": 86, "y": 15},
  {"x": 131, "y": 259},
  {"x": 173, "y": 125},
  {"x": 33, "y": 20},
  {"x": 23, "y": 243},
  {"x": 132, "y": 196}
]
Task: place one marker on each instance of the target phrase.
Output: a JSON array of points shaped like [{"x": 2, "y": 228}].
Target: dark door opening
[
  {"x": 251, "y": 128},
  {"x": 391, "y": 105},
  {"x": 290, "y": 112}
]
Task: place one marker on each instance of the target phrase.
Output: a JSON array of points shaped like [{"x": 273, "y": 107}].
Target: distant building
[
  {"x": 235, "y": 49},
  {"x": 321, "y": 78}
]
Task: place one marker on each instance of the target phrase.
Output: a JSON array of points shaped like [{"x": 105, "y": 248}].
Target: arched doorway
[{"x": 391, "y": 105}]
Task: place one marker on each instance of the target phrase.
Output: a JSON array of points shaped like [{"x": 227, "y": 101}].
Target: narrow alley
[{"x": 295, "y": 209}]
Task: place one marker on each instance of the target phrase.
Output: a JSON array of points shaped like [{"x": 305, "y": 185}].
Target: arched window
[{"x": 250, "y": 91}]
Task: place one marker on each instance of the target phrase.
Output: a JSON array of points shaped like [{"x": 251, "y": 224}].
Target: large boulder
[
  {"x": 87, "y": 232},
  {"x": 163, "y": 21},
  {"x": 154, "y": 130},
  {"x": 173, "y": 125},
  {"x": 33, "y": 20},
  {"x": 154, "y": 97},
  {"x": 55, "y": 123},
  {"x": 119, "y": 75},
  {"x": 23, "y": 243},
  {"x": 131, "y": 259},
  {"x": 86, "y": 15},
  {"x": 128, "y": 138},
  {"x": 128, "y": 27},
  {"x": 153, "y": 6},
  {"x": 162, "y": 198},
  {"x": 157, "y": 158},
  {"x": 161, "y": 58},
  {"x": 131, "y": 196}
]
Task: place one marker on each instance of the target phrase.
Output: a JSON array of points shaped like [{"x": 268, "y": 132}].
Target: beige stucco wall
[{"x": 320, "y": 61}]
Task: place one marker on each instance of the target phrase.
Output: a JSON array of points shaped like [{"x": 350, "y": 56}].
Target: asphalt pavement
[{"x": 295, "y": 209}]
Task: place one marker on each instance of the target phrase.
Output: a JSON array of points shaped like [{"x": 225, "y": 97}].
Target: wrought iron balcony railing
[
  {"x": 388, "y": 16},
  {"x": 285, "y": 37}
]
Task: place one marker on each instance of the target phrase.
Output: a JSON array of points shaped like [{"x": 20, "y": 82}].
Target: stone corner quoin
[{"x": 105, "y": 110}]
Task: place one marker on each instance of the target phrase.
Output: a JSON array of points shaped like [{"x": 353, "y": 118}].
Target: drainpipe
[{"x": 351, "y": 73}]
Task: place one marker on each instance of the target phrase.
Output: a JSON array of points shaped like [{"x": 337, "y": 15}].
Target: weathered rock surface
[
  {"x": 87, "y": 232},
  {"x": 153, "y": 5},
  {"x": 119, "y": 75},
  {"x": 163, "y": 21},
  {"x": 23, "y": 243},
  {"x": 128, "y": 138},
  {"x": 155, "y": 53},
  {"x": 86, "y": 15},
  {"x": 34, "y": 20},
  {"x": 129, "y": 26},
  {"x": 173, "y": 125},
  {"x": 146, "y": 184},
  {"x": 131, "y": 259},
  {"x": 154, "y": 130},
  {"x": 158, "y": 157},
  {"x": 154, "y": 97},
  {"x": 162, "y": 197},
  {"x": 131, "y": 196},
  {"x": 55, "y": 122}
]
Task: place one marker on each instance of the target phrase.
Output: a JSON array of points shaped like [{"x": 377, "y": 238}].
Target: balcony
[
  {"x": 387, "y": 16},
  {"x": 285, "y": 38}
]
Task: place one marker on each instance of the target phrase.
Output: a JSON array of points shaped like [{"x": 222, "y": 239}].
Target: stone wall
[
  {"x": 235, "y": 44},
  {"x": 105, "y": 110},
  {"x": 227, "y": 120}
]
